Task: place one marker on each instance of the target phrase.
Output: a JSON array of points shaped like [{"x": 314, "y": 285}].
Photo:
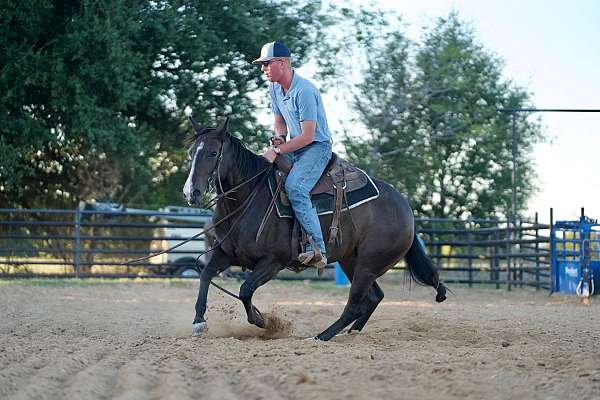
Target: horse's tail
[{"x": 423, "y": 270}]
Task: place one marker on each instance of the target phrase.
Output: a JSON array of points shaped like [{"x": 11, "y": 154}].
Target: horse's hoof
[
  {"x": 198, "y": 328},
  {"x": 261, "y": 323},
  {"x": 257, "y": 318},
  {"x": 441, "y": 293},
  {"x": 312, "y": 339}
]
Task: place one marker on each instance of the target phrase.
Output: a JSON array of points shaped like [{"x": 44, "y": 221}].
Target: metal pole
[
  {"x": 537, "y": 252},
  {"x": 553, "y": 272},
  {"x": 507, "y": 249},
  {"x": 77, "y": 241},
  {"x": 497, "y": 258},
  {"x": 470, "y": 253},
  {"x": 514, "y": 166},
  {"x": 511, "y": 220},
  {"x": 519, "y": 268}
]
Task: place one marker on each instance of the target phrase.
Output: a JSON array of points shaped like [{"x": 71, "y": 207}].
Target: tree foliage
[
  {"x": 434, "y": 130},
  {"x": 93, "y": 94}
]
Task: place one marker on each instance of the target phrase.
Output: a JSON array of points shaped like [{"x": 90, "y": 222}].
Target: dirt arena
[{"x": 131, "y": 340}]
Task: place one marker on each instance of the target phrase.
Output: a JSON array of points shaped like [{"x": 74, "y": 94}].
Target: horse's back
[{"x": 391, "y": 198}]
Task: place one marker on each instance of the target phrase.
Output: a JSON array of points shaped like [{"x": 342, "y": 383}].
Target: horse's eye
[{"x": 213, "y": 154}]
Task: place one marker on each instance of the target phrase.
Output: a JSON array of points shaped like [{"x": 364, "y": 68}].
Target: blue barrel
[{"x": 340, "y": 277}]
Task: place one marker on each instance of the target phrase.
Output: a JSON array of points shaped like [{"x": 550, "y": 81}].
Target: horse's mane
[{"x": 249, "y": 163}]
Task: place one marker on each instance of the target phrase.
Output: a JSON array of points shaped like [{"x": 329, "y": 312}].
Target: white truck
[{"x": 184, "y": 223}]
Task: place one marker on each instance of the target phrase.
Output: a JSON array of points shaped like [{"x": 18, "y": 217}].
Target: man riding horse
[
  {"x": 298, "y": 109},
  {"x": 374, "y": 232}
]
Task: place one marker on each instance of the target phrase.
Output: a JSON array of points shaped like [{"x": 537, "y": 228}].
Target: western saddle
[{"x": 339, "y": 178}]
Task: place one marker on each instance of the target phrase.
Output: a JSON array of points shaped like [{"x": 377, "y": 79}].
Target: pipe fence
[{"x": 86, "y": 243}]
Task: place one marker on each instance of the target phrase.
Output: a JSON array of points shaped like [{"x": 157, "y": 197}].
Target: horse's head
[{"x": 205, "y": 154}]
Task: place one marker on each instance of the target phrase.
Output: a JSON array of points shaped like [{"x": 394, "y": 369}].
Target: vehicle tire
[{"x": 188, "y": 270}]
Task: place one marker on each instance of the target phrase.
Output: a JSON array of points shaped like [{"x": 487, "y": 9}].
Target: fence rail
[{"x": 96, "y": 243}]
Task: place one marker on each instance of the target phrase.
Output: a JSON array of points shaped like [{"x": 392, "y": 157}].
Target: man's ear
[{"x": 223, "y": 127}]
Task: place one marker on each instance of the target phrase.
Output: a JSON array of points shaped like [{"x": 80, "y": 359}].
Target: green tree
[
  {"x": 433, "y": 126},
  {"x": 93, "y": 93}
]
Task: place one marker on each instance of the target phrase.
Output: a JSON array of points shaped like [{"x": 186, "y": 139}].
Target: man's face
[{"x": 273, "y": 69}]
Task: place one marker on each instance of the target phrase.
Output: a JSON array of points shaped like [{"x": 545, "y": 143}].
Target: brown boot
[{"x": 313, "y": 259}]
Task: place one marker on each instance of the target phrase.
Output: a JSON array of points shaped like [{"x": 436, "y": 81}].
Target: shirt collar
[{"x": 294, "y": 81}]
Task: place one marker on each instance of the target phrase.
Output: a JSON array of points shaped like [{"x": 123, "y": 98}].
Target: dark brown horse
[{"x": 375, "y": 237}]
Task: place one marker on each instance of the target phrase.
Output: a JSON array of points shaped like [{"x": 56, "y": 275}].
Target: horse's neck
[
  {"x": 241, "y": 190},
  {"x": 250, "y": 195},
  {"x": 243, "y": 184}
]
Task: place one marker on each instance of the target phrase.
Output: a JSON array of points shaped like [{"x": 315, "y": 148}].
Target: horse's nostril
[{"x": 196, "y": 195}]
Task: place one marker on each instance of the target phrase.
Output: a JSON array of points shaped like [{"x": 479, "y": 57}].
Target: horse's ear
[
  {"x": 197, "y": 127},
  {"x": 223, "y": 127}
]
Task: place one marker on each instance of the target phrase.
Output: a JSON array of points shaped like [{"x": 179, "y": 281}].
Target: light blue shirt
[{"x": 302, "y": 102}]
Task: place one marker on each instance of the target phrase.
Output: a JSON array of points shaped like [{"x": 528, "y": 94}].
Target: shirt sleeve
[
  {"x": 307, "y": 105},
  {"x": 274, "y": 106}
]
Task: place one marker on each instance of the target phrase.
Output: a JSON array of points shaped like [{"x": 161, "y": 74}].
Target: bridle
[
  {"x": 215, "y": 176},
  {"x": 215, "y": 171}
]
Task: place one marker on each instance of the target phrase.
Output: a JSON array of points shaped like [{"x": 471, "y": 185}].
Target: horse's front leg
[
  {"x": 218, "y": 262},
  {"x": 264, "y": 270}
]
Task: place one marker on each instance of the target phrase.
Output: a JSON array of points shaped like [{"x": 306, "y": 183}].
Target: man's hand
[{"x": 270, "y": 155}]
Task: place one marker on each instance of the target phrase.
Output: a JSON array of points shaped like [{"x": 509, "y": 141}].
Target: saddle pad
[{"x": 324, "y": 202}]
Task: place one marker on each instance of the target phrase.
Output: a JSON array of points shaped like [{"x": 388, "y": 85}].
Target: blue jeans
[{"x": 309, "y": 163}]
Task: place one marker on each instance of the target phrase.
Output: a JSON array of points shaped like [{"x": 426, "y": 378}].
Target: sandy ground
[{"x": 131, "y": 340}]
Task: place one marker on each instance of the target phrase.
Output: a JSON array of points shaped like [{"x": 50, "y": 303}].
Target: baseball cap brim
[{"x": 262, "y": 60}]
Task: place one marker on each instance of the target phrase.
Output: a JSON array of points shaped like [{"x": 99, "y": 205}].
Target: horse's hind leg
[
  {"x": 369, "y": 305},
  {"x": 361, "y": 283}
]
